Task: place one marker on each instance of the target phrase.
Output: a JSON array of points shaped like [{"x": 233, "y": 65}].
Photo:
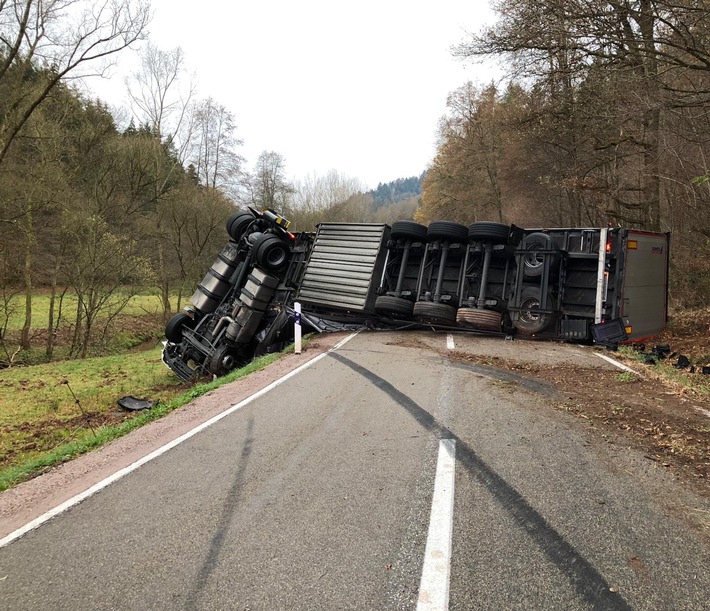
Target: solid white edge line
[
  {"x": 75, "y": 500},
  {"x": 434, "y": 585},
  {"x": 450, "y": 342},
  {"x": 618, "y": 364}
]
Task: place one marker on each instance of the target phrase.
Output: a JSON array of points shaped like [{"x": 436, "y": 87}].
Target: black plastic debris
[
  {"x": 662, "y": 350},
  {"x": 648, "y": 359},
  {"x": 134, "y": 404},
  {"x": 705, "y": 370},
  {"x": 609, "y": 333},
  {"x": 683, "y": 362}
]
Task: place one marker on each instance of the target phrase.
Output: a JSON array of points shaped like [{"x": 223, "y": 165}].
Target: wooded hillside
[{"x": 603, "y": 118}]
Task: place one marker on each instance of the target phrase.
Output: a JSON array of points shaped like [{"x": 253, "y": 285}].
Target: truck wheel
[
  {"x": 271, "y": 252},
  {"x": 173, "y": 330},
  {"x": 408, "y": 230},
  {"x": 226, "y": 358},
  {"x": 485, "y": 320},
  {"x": 485, "y": 231},
  {"x": 436, "y": 313},
  {"x": 238, "y": 223},
  {"x": 396, "y": 307},
  {"x": 446, "y": 230},
  {"x": 533, "y": 259},
  {"x": 530, "y": 322},
  {"x": 222, "y": 361}
]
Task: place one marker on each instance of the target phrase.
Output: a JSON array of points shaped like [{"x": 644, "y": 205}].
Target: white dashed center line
[{"x": 434, "y": 586}]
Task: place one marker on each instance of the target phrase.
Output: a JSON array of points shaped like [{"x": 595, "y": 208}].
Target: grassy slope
[{"x": 51, "y": 413}]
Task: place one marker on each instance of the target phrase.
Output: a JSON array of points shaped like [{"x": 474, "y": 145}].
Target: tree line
[
  {"x": 98, "y": 203},
  {"x": 603, "y": 117}
]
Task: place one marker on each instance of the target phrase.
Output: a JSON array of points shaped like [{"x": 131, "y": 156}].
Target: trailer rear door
[
  {"x": 345, "y": 266},
  {"x": 644, "y": 303}
]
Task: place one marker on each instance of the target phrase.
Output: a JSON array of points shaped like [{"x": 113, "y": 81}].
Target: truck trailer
[{"x": 588, "y": 285}]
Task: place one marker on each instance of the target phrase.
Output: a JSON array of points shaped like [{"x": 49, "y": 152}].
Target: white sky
[{"x": 357, "y": 87}]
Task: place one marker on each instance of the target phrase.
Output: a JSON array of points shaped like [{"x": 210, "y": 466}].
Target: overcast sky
[{"x": 357, "y": 87}]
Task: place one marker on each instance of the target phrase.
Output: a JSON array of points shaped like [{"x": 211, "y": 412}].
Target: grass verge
[
  {"x": 36, "y": 435},
  {"x": 663, "y": 368}
]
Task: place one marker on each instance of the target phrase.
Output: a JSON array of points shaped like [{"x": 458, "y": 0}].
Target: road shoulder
[{"x": 31, "y": 499}]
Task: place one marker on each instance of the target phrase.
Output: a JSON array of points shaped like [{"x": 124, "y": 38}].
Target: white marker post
[{"x": 297, "y": 327}]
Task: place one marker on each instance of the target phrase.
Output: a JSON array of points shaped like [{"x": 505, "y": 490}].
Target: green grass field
[{"x": 146, "y": 303}]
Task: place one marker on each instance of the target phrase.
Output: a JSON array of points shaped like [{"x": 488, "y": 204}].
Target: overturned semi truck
[{"x": 605, "y": 285}]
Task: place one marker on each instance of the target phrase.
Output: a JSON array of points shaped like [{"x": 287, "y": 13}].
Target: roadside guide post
[{"x": 297, "y": 326}]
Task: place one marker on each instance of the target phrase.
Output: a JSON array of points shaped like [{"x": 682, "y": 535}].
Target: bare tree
[
  {"x": 638, "y": 41},
  {"x": 269, "y": 188},
  {"x": 163, "y": 104},
  {"x": 217, "y": 164},
  {"x": 160, "y": 98},
  {"x": 68, "y": 38},
  {"x": 323, "y": 197},
  {"x": 317, "y": 192},
  {"x": 463, "y": 182},
  {"x": 104, "y": 272}
]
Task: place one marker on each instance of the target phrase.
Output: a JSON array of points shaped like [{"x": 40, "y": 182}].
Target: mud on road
[{"x": 669, "y": 424}]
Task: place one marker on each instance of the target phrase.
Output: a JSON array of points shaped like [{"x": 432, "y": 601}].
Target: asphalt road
[{"x": 318, "y": 495}]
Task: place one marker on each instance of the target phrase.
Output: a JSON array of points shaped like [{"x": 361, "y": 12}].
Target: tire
[
  {"x": 533, "y": 259},
  {"x": 486, "y": 320},
  {"x": 531, "y": 322},
  {"x": 173, "y": 330},
  {"x": 228, "y": 358},
  {"x": 271, "y": 252},
  {"x": 436, "y": 313},
  {"x": 222, "y": 361},
  {"x": 396, "y": 307},
  {"x": 408, "y": 230},
  {"x": 486, "y": 231},
  {"x": 446, "y": 230},
  {"x": 238, "y": 223}
]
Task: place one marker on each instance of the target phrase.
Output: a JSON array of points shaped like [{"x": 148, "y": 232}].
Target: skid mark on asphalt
[
  {"x": 231, "y": 503},
  {"x": 589, "y": 584},
  {"x": 507, "y": 376}
]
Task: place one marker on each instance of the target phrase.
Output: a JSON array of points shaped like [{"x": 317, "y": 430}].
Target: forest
[{"x": 602, "y": 117}]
